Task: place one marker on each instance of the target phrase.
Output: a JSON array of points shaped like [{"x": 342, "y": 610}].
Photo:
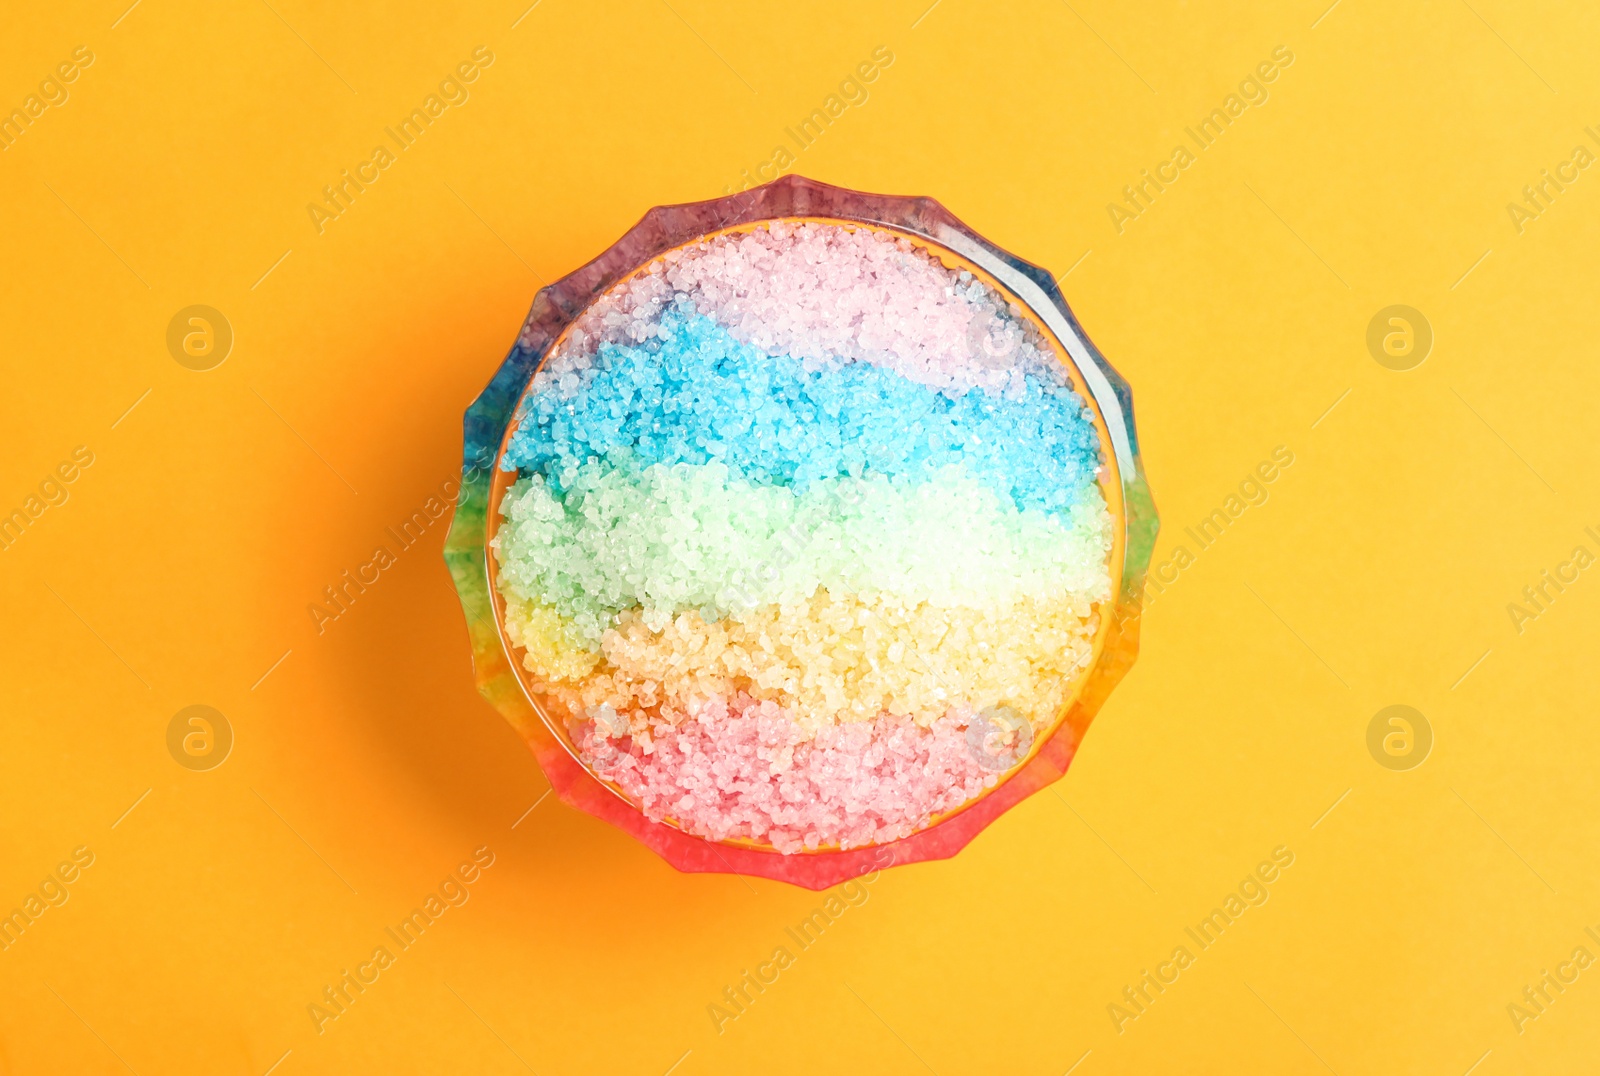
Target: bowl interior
[{"x": 1110, "y": 480}]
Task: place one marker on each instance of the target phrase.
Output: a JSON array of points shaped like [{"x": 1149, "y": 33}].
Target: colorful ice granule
[
  {"x": 825, "y": 660},
  {"x": 794, "y": 508},
  {"x": 825, "y": 294},
  {"x": 666, "y": 538},
  {"x": 739, "y": 767},
  {"x": 694, "y": 394}
]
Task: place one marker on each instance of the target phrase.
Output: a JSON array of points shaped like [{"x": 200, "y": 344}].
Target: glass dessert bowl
[{"x": 801, "y": 533}]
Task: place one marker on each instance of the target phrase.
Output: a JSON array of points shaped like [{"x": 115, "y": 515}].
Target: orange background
[{"x": 364, "y": 766}]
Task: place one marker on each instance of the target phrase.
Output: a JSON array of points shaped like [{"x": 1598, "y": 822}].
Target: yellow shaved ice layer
[
  {"x": 826, "y": 660},
  {"x": 554, "y": 651}
]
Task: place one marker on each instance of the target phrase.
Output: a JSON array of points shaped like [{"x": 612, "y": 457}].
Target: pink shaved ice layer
[
  {"x": 744, "y": 768},
  {"x": 823, "y": 294}
]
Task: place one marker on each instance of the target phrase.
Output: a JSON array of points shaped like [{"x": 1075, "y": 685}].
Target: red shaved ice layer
[{"x": 743, "y": 768}]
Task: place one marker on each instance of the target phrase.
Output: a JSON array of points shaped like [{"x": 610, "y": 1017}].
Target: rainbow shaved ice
[{"x": 799, "y": 512}]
